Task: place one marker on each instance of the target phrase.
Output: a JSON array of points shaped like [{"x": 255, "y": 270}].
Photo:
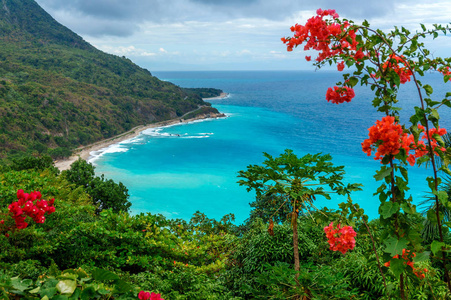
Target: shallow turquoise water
[{"x": 178, "y": 170}]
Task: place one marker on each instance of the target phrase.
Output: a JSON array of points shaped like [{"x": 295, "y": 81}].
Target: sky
[{"x": 191, "y": 35}]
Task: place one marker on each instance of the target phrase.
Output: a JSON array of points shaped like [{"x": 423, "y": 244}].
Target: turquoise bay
[{"x": 178, "y": 170}]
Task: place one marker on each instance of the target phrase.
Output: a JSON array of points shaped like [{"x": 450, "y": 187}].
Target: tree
[
  {"x": 105, "y": 193},
  {"x": 298, "y": 181},
  {"x": 81, "y": 173},
  {"x": 384, "y": 61}
]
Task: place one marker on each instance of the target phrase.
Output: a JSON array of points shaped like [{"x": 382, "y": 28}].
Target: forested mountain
[{"x": 58, "y": 92}]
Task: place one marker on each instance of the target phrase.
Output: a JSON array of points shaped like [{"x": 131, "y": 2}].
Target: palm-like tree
[{"x": 430, "y": 230}]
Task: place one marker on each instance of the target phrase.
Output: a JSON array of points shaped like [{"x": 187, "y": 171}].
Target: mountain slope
[{"x": 58, "y": 92}]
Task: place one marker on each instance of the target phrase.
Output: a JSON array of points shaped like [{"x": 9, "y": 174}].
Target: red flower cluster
[
  {"x": 404, "y": 73},
  {"x": 408, "y": 257},
  {"x": 146, "y": 296},
  {"x": 323, "y": 35},
  {"x": 340, "y": 94},
  {"x": 340, "y": 238},
  {"x": 25, "y": 206},
  {"x": 387, "y": 138},
  {"x": 445, "y": 71},
  {"x": 421, "y": 148}
]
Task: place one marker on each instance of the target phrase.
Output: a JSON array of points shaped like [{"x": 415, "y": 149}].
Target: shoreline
[
  {"x": 84, "y": 152},
  {"x": 221, "y": 96}
]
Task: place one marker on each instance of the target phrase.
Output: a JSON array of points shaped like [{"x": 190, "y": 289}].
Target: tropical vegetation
[
  {"x": 58, "y": 92},
  {"x": 70, "y": 234}
]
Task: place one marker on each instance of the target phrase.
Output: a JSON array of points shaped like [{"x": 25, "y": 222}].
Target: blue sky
[{"x": 188, "y": 35}]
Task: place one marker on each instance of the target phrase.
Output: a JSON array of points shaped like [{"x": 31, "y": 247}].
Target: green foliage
[
  {"x": 257, "y": 247},
  {"x": 316, "y": 282},
  {"x": 58, "y": 92},
  {"x": 298, "y": 180},
  {"x": 105, "y": 193},
  {"x": 70, "y": 284},
  {"x": 204, "y": 92}
]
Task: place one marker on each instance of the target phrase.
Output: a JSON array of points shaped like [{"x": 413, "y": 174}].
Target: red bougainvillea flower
[
  {"x": 30, "y": 205},
  {"x": 388, "y": 138},
  {"x": 340, "y": 94},
  {"x": 340, "y": 238},
  {"x": 154, "y": 296},
  {"x": 144, "y": 295},
  {"x": 149, "y": 296},
  {"x": 445, "y": 71},
  {"x": 408, "y": 256},
  {"x": 324, "y": 34},
  {"x": 341, "y": 66},
  {"x": 393, "y": 63}
]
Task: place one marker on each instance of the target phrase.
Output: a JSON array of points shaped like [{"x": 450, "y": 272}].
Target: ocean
[{"x": 178, "y": 170}]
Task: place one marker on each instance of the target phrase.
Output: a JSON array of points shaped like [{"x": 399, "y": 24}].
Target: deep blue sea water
[{"x": 178, "y": 170}]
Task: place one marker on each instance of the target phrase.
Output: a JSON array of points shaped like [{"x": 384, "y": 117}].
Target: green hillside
[{"x": 58, "y": 92}]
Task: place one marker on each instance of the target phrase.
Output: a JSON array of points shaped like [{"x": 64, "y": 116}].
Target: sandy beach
[
  {"x": 84, "y": 152},
  {"x": 221, "y": 96}
]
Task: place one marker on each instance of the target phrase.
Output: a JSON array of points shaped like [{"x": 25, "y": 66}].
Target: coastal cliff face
[{"x": 58, "y": 92}]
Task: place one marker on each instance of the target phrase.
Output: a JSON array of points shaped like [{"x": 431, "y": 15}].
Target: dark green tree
[
  {"x": 81, "y": 173},
  {"x": 298, "y": 181},
  {"x": 105, "y": 193}
]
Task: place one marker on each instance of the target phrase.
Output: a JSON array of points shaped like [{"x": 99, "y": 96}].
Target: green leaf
[
  {"x": 384, "y": 172},
  {"x": 20, "y": 285},
  {"x": 428, "y": 89},
  {"x": 395, "y": 246},
  {"x": 66, "y": 286},
  {"x": 353, "y": 81},
  {"x": 49, "y": 292},
  {"x": 432, "y": 216},
  {"x": 88, "y": 293},
  {"x": 122, "y": 287},
  {"x": 60, "y": 297},
  {"x": 424, "y": 256},
  {"x": 76, "y": 294},
  {"x": 443, "y": 197},
  {"x": 408, "y": 209},
  {"x": 436, "y": 246},
  {"x": 434, "y": 115},
  {"x": 388, "y": 209},
  {"x": 104, "y": 275},
  {"x": 397, "y": 266}
]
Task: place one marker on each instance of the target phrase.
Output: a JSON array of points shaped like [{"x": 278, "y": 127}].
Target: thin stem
[{"x": 377, "y": 257}]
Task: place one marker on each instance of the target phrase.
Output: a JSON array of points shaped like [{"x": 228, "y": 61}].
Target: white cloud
[{"x": 223, "y": 33}]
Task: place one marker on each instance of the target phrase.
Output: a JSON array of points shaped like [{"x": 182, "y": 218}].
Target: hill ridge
[{"x": 59, "y": 92}]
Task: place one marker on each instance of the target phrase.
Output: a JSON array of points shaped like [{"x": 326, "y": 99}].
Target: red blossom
[
  {"x": 24, "y": 207},
  {"x": 445, "y": 71},
  {"x": 387, "y": 137},
  {"x": 340, "y": 94},
  {"x": 408, "y": 256},
  {"x": 341, "y": 66},
  {"x": 393, "y": 63},
  {"x": 340, "y": 238},
  {"x": 154, "y": 296},
  {"x": 144, "y": 295}
]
